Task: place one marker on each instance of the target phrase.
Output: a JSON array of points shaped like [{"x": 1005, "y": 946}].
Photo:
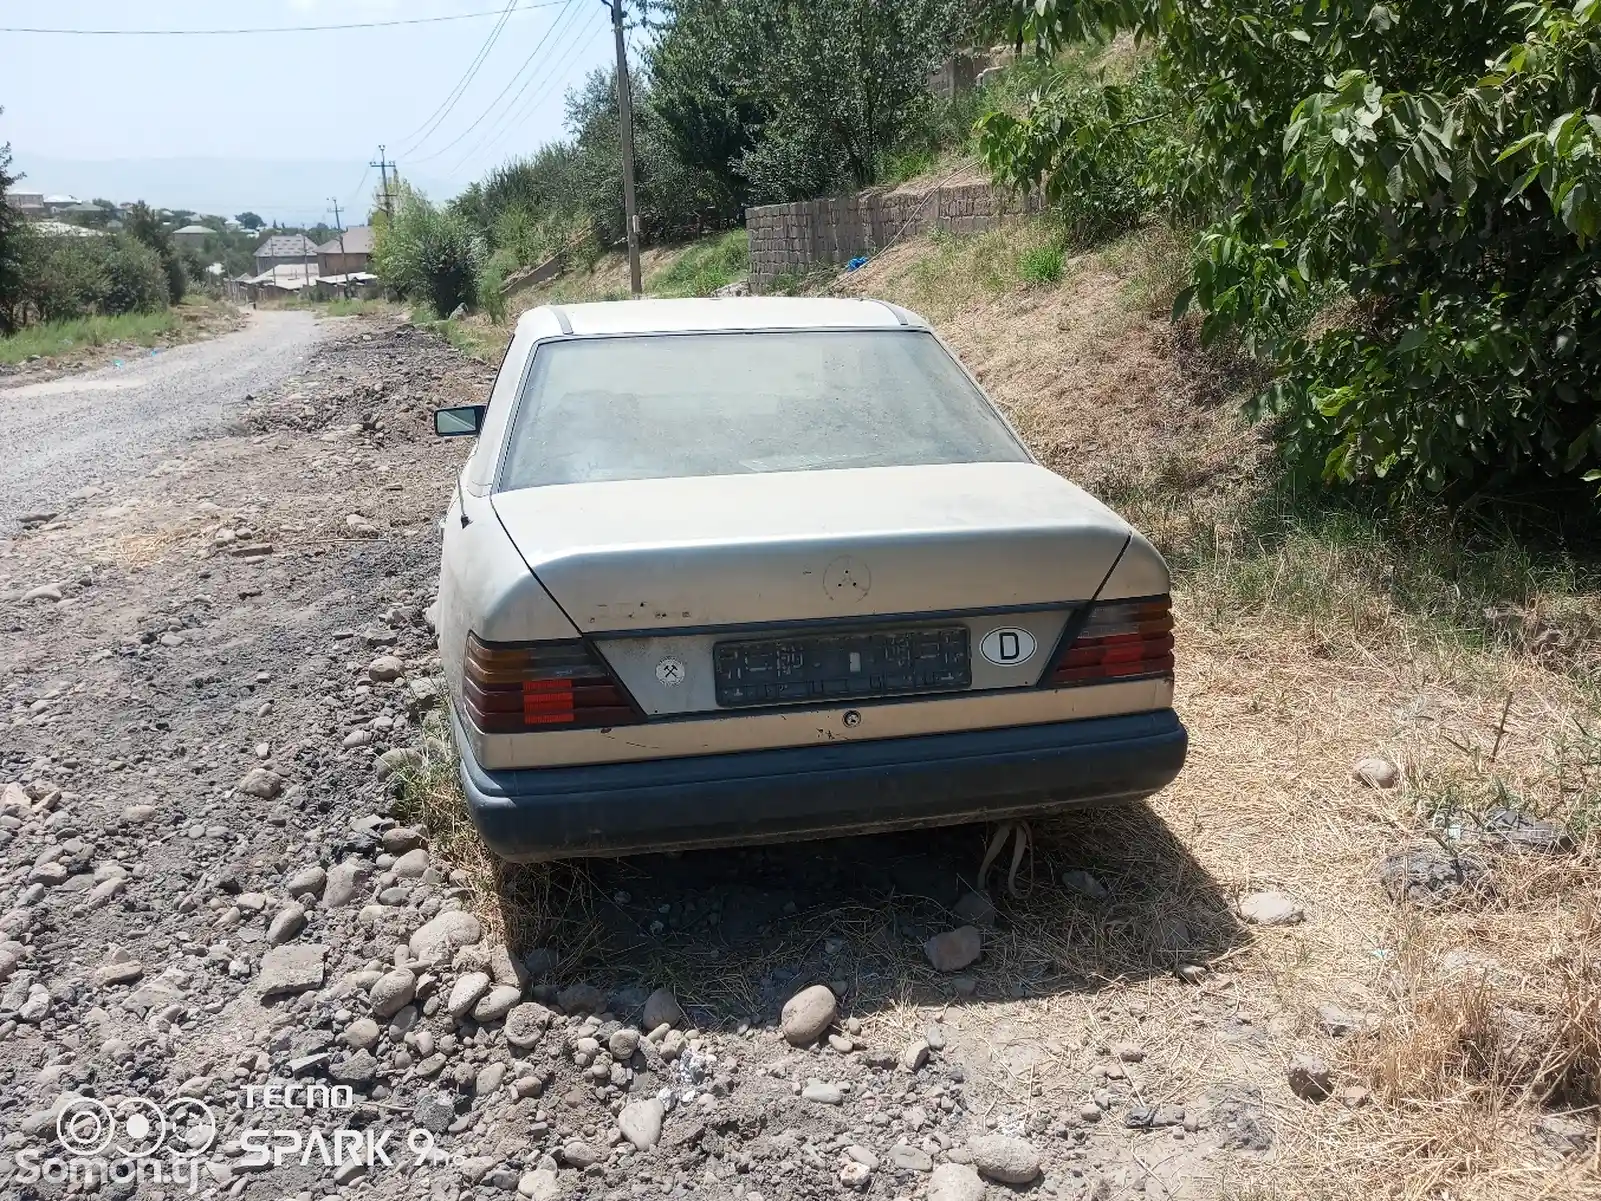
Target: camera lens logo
[
  {"x": 134, "y": 1128},
  {"x": 85, "y": 1126}
]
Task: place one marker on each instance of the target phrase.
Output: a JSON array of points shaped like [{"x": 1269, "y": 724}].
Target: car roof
[{"x": 715, "y": 315}]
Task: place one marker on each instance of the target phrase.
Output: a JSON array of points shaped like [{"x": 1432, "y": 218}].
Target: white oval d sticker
[{"x": 1007, "y": 647}]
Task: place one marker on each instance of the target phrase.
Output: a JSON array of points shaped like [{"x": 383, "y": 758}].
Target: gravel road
[
  {"x": 230, "y": 862},
  {"x": 102, "y": 423}
]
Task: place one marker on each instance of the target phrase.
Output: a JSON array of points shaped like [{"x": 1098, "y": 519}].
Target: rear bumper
[{"x": 819, "y": 791}]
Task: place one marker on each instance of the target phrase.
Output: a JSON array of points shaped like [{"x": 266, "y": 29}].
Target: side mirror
[{"x": 462, "y": 421}]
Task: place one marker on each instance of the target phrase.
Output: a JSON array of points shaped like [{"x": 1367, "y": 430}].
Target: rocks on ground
[{"x": 808, "y": 1015}]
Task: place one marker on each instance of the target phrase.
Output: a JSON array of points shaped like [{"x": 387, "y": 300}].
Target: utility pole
[
  {"x": 625, "y": 111},
  {"x": 383, "y": 174},
  {"x": 344, "y": 267}
]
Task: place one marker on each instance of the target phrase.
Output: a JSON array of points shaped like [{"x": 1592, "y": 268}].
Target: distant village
[{"x": 243, "y": 257}]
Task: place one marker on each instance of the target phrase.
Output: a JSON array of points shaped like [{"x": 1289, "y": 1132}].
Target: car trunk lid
[{"x": 757, "y": 549}]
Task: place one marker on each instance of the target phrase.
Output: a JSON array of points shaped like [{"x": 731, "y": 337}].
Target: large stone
[
  {"x": 346, "y": 881},
  {"x": 954, "y": 949},
  {"x": 904, "y": 1158},
  {"x": 822, "y": 1092},
  {"x": 1341, "y": 1022},
  {"x": 661, "y": 1009},
  {"x": 412, "y": 864},
  {"x": 641, "y": 1123},
  {"x": 526, "y": 1024},
  {"x": 464, "y": 995},
  {"x": 855, "y": 1175},
  {"x": 361, "y": 1035},
  {"x": 541, "y": 1184},
  {"x": 1376, "y": 772},
  {"x": 286, "y": 923},
  {"x": 259, "y": 782},
  {"x": 955, "y": 1182},
  {"x": 581, "y": 998},
  {"x": 392, "y": 992},
  {"x": 1566, "y": 1135},
  {"x": 291, "y": 969},
  {"x": 308, "y": 881},
  {"x": 1428, "y": 876},
  {"x": 443, "y": 935},
  {"x": 1524, "y": 833},
  {"x": 119, "y": 968},
  {"x": 808, "y": 1015},
  {"x": 1310, "y": 1078},
  {"x": 397, "y": 840},
  {"x": 914, "y": 1055},
  {"x": 357, "y": 1068},
  {"x": 1005, "y": 1158},
  {"x": 385, "y": 668},
  {"x": 496, "y": 1003},
  {"x": 1269, "y": 909},
  {"x": 581, "y": 1154}
]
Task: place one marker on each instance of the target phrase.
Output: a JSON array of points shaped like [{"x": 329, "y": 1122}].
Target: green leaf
[
  {"x": 1411, "y": 340},
  {"x": 1521, "y": 144},
  {"x": 1182, "y": 302}
]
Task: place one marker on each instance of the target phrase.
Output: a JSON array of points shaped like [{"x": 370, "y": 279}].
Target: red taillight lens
[
  {"x": 544, "y": 686},
  {"x": 1121, "y": 640}
]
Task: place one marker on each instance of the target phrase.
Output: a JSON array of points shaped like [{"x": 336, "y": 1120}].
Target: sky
[{"x": 283, "y": 124}]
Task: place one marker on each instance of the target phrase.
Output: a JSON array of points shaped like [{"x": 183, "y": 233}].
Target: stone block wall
[{"x": 791, "y": 239}]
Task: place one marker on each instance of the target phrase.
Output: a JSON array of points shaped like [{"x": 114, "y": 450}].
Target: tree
[
  {"x": 249, "y": 220},
  {"x": 695, "y": 105},
  {"x": 13, "y": 232},
  {"x": 429, "y": 253},
  {"x": 1439, "y": 164},
  {"x": 145, "y": 226},
  {"x": 840, "y": 79}
]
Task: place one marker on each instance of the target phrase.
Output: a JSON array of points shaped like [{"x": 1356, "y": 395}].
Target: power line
[
  {"x": 193, "y": 33},
  {"x": 412, "y": 141},
  {"x": 513, "y": 114},
  {"x": 356, "y": 191},
  {"x": 566, "y": 8}
]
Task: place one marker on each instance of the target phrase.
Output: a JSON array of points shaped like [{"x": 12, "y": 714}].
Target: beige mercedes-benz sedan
[{"x": 737, "y": 570}]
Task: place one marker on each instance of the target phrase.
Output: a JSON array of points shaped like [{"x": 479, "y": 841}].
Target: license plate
[{"x": 838, "y": 667}]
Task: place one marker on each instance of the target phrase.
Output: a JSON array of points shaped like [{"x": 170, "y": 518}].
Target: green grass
[
  {"x": 64, "y": 337},
  {"x": 1353, "y": 572},
  {"x": 480, "y": 340},
  {"x": 356, "y": 306},
  {"x": 1041, "y": 265},
  {"x": 703, "y": 267}
]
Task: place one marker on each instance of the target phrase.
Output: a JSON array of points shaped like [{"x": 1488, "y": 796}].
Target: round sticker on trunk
[
  {"x": 670, "y": 672},
  {"x": 1007, "y": 647}
]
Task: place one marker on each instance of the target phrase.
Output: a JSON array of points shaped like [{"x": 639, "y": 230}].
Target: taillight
[
  {"x": 541, "y": 686},
  {"x": 1121, "y": 639}
]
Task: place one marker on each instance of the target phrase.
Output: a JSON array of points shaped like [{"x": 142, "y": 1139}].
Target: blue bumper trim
[{"x": 819, "y": 791}]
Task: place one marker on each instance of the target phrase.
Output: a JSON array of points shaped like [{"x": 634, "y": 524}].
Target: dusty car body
[{"x": 752, "y": 569}]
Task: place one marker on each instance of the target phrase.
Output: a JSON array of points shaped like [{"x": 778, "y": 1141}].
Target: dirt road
[{"x": 63, "y": 433}]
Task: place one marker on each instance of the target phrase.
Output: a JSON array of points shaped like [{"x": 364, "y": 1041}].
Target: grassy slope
[
  {"x": 1312, "y": 633},
  {"x": 195, "y": 317},
  {"x": 694, "y": 269}
]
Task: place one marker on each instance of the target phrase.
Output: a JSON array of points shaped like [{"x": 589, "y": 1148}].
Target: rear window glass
[{"x": 730, "y": 404}]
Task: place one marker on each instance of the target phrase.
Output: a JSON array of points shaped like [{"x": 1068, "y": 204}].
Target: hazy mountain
[{"x": 291, "y": 191}]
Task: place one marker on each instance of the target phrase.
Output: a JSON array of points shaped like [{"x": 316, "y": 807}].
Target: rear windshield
[{"x": 637, "y": 408}]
